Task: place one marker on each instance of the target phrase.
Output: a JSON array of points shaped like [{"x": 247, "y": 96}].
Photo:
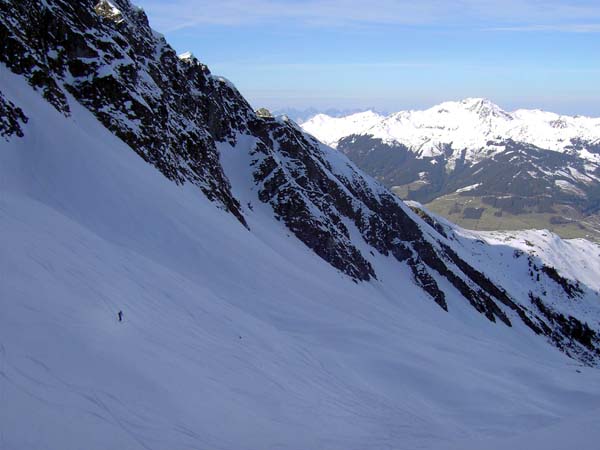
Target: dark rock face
[
  {"x": 169, "y": 111},
  {"x": 437, "y": 226},
  {"x": 296, "y": 182},
  {"x": 569, "y": 334},
  {"x": 28, "y": 31},
  {"x": 319, "y": 204},
  {"x": 11, "y": 118},
  {"x": 572, "y": 289},
  {"x": 427, "y": 282},
  {"x": 174, "y": 114}
]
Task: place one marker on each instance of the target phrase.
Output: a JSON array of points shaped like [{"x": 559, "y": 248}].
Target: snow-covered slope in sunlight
[
  {"x": 516, "y": 258},
  {"x": 468, "y": 125},
  {"x": 231, "y": 338},
  {"x": 330, "y": 130}
]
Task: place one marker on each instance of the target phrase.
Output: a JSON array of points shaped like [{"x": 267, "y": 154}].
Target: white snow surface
[
  {"x": 234, "y": 339},
  {"x": 330, "y": 130},
  {"x": 186, "y": 56},
  {"x": 464, "y": 125},
  {"x": 469, "y": 188}
]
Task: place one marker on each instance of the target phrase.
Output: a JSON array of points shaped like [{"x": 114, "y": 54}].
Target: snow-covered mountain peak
[
  {"x": 476, "y": 106},
  {"x": 186, "y": 56},
  {"x": 478, "y": 102},
  {"x": 485, "y": 109},
  {"x": 330, "y": 130},
  {"x": 363, "y": 115},
  {"x": 468, "y": 124}
]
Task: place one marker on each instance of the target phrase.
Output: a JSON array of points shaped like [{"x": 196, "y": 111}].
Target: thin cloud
[
  {"x": 566, "y": 28},
  {"x": 506, "y": 15},
  {"x": 328, "y": 66},
  {"x": 177, "y": 14}
]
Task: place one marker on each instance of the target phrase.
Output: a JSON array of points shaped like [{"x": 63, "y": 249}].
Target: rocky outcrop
[
  {"x": 11, "y": 118},
  {"x": 572, "y": 336},
  {"x": 572, "y": 289}
]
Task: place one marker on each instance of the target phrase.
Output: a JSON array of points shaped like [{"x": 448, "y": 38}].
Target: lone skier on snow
[{"x": 120, "y": 315}]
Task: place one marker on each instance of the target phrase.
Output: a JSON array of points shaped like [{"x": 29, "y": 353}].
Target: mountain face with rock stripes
[{"x": 174, "y": 114}]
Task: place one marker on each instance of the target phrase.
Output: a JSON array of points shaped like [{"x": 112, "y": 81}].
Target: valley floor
[{"x": 472, "y": 213}]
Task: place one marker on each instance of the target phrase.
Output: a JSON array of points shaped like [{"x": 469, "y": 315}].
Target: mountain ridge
[{"x": 454, "y": 123}]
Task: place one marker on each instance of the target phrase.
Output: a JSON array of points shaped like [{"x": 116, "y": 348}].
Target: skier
[{"x": 120, "y": 315}]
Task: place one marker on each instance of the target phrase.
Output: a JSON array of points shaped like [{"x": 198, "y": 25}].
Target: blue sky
[{"x": 394, "y": 54}]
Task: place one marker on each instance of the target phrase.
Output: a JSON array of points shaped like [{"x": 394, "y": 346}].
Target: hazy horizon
[{"x": 394, "y": 55}]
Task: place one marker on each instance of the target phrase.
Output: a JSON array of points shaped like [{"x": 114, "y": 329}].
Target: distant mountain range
[
  {"x": 479, "y": 165},
  {"x": 300, "y": 115}
]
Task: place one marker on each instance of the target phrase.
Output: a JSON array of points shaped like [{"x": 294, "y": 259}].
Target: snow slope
[
  {"x": 231, "y": 338},
  {"x": 330, "y": 130},
  {"x": 468, "y": 125},
  {"x": 508, "y": 254}
]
